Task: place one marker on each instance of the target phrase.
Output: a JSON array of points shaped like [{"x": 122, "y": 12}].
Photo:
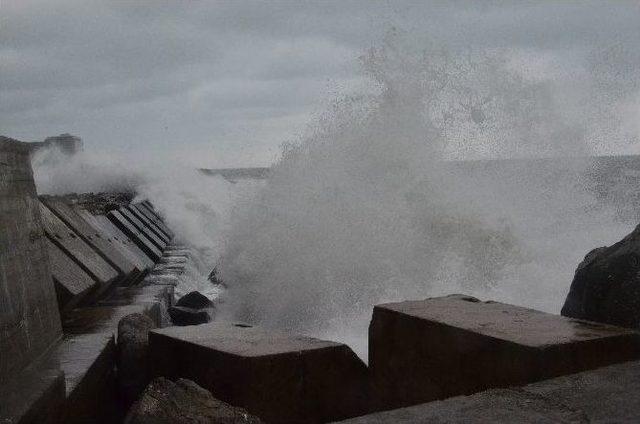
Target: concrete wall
[{"x": 29, "y": 318}]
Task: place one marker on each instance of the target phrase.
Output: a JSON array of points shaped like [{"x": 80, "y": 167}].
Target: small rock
[
  {"x": 166, "y": 402},
  {"x": 181, "y": 315},
  {"x": 133, "y": 345},
  {"x": 194, "y": 300}
]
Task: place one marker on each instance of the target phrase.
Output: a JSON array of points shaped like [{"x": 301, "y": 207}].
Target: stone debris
[{"x": 184, "y": 402}]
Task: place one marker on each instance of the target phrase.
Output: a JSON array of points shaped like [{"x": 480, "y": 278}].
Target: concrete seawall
[{"x": 29, "y": 319}]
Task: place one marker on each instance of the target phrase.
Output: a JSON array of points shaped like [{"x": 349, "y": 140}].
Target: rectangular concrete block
[
  {"x": 140, "y": 239},
  {"x": 81, "y": 253},
  {"x": 160, "y": 244},
  {"x": 149, "y": 224},
  {"x": 90, "y": 235},
  {"x": 29, "y": 317},
  {"x": 152, "y": 218},
  {"x": 155, "y": 217},
  {"x": 441, "y": 347},
  {"x": 280, "y": 378},
  {"x": 114, "y": 234},
  {"x": 72, "y": 283}
]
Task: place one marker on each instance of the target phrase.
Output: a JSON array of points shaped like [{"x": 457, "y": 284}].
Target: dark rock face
[
  {"x": 606, "y": 285},
  {"x": 133, "y": 345},
  {"x": 194, "y": 300},
  {"x": 181, "y": 315},
  {"x": 183, "y": 402}
]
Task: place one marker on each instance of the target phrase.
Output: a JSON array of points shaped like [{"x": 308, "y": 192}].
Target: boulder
[
  {"x": 133, "y": 345},
  {"x": 194, "y": 300},
  {"x": 606, "y": 285},
  {"x": 184, "y": 401},
  {"x": 181, "y": 315}
]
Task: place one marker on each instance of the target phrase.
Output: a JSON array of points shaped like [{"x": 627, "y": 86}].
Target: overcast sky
[{"x": 224, "y": 83}]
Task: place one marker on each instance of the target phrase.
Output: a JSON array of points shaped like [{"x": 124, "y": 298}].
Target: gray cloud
[{"x": 231, "y": 80}]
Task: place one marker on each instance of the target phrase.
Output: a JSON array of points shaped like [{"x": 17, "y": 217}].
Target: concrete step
[{"x": 610, "y": 394}]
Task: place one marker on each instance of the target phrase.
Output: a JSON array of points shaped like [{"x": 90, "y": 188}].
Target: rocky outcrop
[
  {"x": 181, "y": 315},
  {"x": 194, "y": 300},
  {"x": 133, "y": 346},
  {"x": 164, "y": 401},
  {"x": 606, "y": 285}
]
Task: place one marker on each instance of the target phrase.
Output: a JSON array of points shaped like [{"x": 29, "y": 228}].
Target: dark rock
[
  {"x": 181, "y": 315},
  {"x": 606, "y": 285},
  {"x": 184, "y": 401},
  {"x": 133, "y": 346},
  {"x": 194, "y": 300}
]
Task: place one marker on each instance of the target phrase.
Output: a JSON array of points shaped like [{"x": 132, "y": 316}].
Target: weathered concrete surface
[
  {"x": 278, "y": 377},
  {"x": 133, "y": 351},
  {"x": 91, "y": 236},
  {"x": 71, "y": 244},
  {"x": 159, "y": 243},
  {"x": 29, "y": 317},
  {"x": 88, "y": 362},
  {"x": 606, "y": 287},
  {"x": 437, "y": 348},
  {"x": 166, "y": 402},
  {"x": 153, "y": 218},
  {"x": 149, "y": 224},
  {"x": 610, "y": 394},
  {"x": 35, "y": 396},
  {"x": 141, "y": 240},
  {"x": 150, "y": 212},
  {"x": 72, "y": 283},
  {"x": 115, "y": 235}
]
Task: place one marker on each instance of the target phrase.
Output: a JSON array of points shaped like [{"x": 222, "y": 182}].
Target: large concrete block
[
  {"x": 115, "y": 235},
  {"x": 441, "y": 347},
  {"x": 104, "y": 319},
  {"x": 149, "y": 224},
  {"x": 140, "y": 239},
  {"x": 155, "y": 217},
  {"x": 606, "y": 395},
  {"x": 29, "y": 317},
  {"x": 160, "y": 244},
  {"x": 81, "y": 253},
  {"x": 72, "y": 283},
  {"x": 90, "y": 235},
  {"x": 280, "y": 378}
]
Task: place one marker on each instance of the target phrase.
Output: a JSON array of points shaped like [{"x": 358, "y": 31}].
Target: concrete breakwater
[{"x": 89, "y": 318}]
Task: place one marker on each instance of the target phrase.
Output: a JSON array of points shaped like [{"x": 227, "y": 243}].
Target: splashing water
[{"x": 374, "y": 206}]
